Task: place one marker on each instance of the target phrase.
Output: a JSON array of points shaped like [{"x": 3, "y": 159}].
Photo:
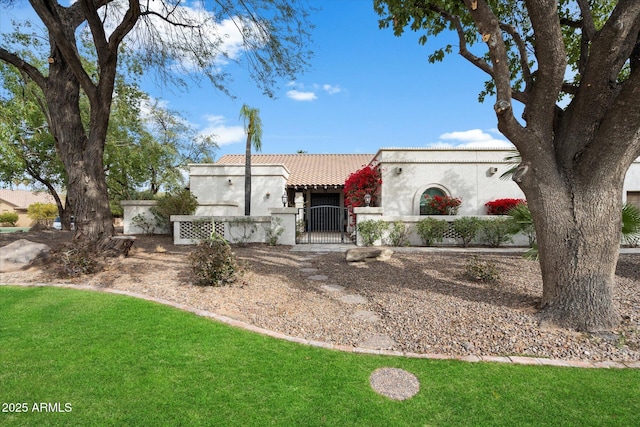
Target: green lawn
[{"x": 125, "y": 362}]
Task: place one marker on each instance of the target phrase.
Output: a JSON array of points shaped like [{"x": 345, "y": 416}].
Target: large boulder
[
  {"x": 20, "y": 254},
  {"x": 368, "y": 254}
]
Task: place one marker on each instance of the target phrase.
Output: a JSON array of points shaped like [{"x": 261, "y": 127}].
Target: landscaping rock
[
  {"x": 20, "y": 254},
  {"x": 368, "y": 254}
]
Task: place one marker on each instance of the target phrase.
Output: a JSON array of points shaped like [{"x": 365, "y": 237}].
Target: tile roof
[
  {"x": 21, "y": 199},
  {"x": 308, "y": 169}
]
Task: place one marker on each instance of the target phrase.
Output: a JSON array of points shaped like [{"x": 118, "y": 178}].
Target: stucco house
[
  {"x": 307, "y": 189},
  {"x": 318, "y": 179},
  {"x": 19, "y": 200}
]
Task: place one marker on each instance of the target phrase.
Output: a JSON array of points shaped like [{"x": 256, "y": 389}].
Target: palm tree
[{"x": 253, "y": 128}]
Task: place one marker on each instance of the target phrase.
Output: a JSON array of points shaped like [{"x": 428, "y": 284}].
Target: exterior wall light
[
  {"x": 367, "y": 199},
  {"x": 285, "y": 199},
  {"x": 268, "y": 194}
]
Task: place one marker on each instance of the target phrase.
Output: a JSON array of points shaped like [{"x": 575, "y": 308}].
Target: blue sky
[{"x": 365, "y": 89}]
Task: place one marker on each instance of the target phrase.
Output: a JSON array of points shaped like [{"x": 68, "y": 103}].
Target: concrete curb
[{"x": 516, "y": 360}]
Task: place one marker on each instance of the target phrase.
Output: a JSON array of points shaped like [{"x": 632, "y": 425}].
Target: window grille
[{"x": 200, "y": 230}]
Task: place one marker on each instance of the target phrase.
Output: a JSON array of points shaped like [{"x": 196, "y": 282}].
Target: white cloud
[
  {"x": 297, "y": 95},
  {"x": 474, "y": 138},
  {"x": 331, "y": 89},
  {"x": 222, "y": 134}
]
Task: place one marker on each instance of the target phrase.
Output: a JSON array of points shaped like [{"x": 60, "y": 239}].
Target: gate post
[
  {"x": 364, "y": 214},
  {"x": 288, "y": 224}
]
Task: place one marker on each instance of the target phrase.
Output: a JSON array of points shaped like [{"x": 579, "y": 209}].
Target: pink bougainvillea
[{"x": 502, "y": 206}]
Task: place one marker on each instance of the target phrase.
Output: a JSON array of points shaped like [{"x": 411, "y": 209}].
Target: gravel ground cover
[{"x": 417, "y": 302}]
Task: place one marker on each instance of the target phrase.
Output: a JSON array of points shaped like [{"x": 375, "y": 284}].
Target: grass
[{"x": 121, "y": 361}]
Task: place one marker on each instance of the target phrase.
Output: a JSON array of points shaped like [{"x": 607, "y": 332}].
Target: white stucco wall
[
  {"x": 632, "y": 179},
  {"x": 220, "y": 188},
  {"x": 461, "y": 173}
]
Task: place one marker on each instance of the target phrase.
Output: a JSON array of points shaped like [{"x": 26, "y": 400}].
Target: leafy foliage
[
  {"x": 274, "y": 231},
  {"x": 495, "y": 232},
  {"x": 371, "y": 230},
  {"x": 630, "y": 224},
  {"x": 180, "y": 202},
  {"x": 43, "y": 213},
  {"x": 10, "y": 218},
  {"x": 431, "y": 230},
  {"x": 466, "y": 228},
  {"x": 399, "y": 234}
]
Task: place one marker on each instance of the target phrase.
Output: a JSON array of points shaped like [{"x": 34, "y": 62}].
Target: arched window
[{"x": 429, "y": 192}]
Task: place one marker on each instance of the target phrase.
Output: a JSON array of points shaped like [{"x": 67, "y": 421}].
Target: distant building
[{"x": 19, "y": 200}]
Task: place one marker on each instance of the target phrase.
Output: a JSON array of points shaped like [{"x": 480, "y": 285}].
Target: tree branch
[
  {"x": 588, "y": 26},
  {"x": 63, "y": 37},
  {"x": 22, "y": 65}
]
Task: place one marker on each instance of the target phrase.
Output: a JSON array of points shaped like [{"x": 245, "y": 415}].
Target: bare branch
[
  {"x": 522, "y": 51},
  {"x": 588, "y": 25}
]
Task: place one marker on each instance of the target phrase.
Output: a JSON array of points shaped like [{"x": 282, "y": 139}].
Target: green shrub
[
  {"x": 431, "y": 230},
  {"x": 274, "y": 231},
  {"x": 466, "y": 228},
  {"x": 522, "y": 217},
  {"x": 495, "y": 232},
  {"x": 399, "y": 234},
  {"x": 10, "y": 218},
  {"x": 43, "y": 213},
  {"x": 481, "y": 271},
  {"x": 212, "y": 263},
  {"x": 180, "y": 202},
  {"x": 630, "y": 224},
  {"x": 371, "y": 230}
]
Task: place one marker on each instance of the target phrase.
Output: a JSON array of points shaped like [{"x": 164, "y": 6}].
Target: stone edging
[{"x": 518, "y": 360}]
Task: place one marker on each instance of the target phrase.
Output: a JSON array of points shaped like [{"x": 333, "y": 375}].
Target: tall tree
[
  {"x": 253, "y": 129},
  {"x": 573, "y": 64},
  {"x": 171, "y": 37}
]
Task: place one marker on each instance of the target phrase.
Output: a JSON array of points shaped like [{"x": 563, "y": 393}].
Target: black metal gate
[{"x": 323, "y": 224}]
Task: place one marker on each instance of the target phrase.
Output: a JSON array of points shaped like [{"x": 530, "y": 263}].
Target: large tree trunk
[
  {"x": 577, "y": 219},
  {"x": 82, "y": 157}
]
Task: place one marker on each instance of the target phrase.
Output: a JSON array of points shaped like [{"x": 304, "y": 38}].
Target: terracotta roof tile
[{"x": 308, "y": 169}]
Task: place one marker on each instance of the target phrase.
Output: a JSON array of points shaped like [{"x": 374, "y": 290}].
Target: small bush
[
  {"x": 212, "y": 263},
  {"x": 371, "y": 230},
  {"x": 466, "y": 228},
  {"x": 522, "y": 217},
  {"x": 431, "y": 230},
  {"x": 275, "y": 230},
  {"x": 147, "y": 225},
  {"x": 399, "y": 234},
  {"x": 495, "y": 232},
  {"x": 10, "y": 218},
  {"x": 481, "y": 271},
  {"x": 180, "y": 202},
  {"x": 74, "y": 260}
]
